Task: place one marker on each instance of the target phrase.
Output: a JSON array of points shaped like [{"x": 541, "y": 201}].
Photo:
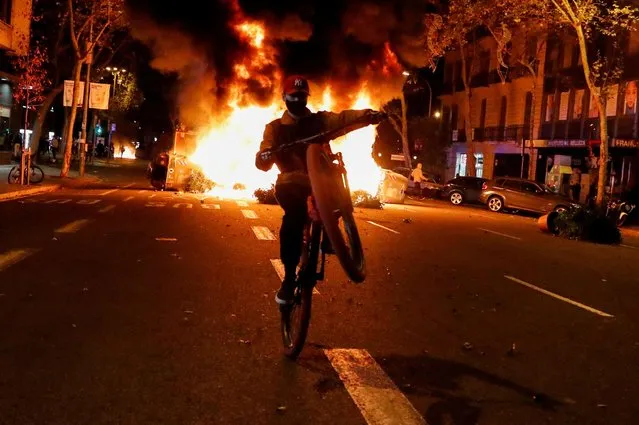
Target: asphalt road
[{"x": 121, "y": 305}]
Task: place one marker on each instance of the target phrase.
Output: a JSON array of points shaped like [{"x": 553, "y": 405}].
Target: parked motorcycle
[{"x": 619, "y": 211}]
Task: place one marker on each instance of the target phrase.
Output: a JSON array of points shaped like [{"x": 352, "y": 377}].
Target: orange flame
[{"x": 226, "y": 150}]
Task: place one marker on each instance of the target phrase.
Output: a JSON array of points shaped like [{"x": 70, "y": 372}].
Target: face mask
[{"x": 296, "y": 104}]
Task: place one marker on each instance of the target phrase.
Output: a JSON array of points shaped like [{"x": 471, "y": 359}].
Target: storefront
[{"x": 492, "y": 159}]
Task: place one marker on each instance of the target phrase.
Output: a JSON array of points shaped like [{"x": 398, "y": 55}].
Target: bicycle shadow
[{"x": 440, "y": 380}]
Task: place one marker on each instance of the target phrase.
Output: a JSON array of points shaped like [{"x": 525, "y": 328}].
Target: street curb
[{"x": 27, "y": 192}]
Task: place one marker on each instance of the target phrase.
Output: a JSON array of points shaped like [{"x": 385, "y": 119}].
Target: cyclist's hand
[{"x": 266, "y": 156}]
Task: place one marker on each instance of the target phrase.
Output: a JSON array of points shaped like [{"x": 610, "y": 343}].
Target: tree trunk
[
  {"x": 405, "y": 147},
  {"x": 468, "y": 131},
  {"x": 43, "y": 110},
  {"x": 596, "y": 93},
  {"x": 603, "y": 153},
  {"x": 66, "y": 165}
]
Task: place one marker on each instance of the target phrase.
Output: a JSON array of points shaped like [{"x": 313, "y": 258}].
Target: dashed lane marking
[
  {"x": 129, "y": 198},
  {"x": 128, "y": 186},
  {"x": 559, "y": 297},
  {"x": 107, "y": 208},
  {"x": 89, "y": 201},
  {"x": 73, "y": 227},
  {"x": 211, "y": 206},
  {"x": 166, "y": 239},
  {"x": 382, "y": 227},
  {"x": 108, "y": 192},
  {"x": 377, "y": 397},
  {"x": 186, "y": 205},
  {"x": 13, "y": 256},
  {"x": 263, "y": 233},
  {"x": 500, "y": 234},
  {"x": 249, "y": 214},
  {"x": 242, "y": 204},
  {"x": 57, "y": 201},
  {"x": 279, "y": 269},
  {"x": 629, "y": 246},
  {"x": 155, "y": 204}
]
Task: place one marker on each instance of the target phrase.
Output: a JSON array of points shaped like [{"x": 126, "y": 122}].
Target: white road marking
[
  {"x": 141, "y": 191},
  {"x": 89, "y": 201},
  {"x": 377, "y": 397},
  {"x": 155, "y": 204},
  {"x": 629, "y": 246},
  {"x": 249, "y": 214},
  {"x": 210, "y": 206},
  {"x": 166, "y": 239},
  {"x": 183, "y": 204},
  {"x": 129, "y": 198},
  {"x": 500, "y": 234},
  {"x": 109, "y": 192},
  {"x": 279, "y": 269},
  {"x": 383, "y": 227},
  {"x": 73, "y": 227},
  {"x": 152, "y": 196},
  {"x": 107, "y": 208},
  {"x": 128, "y": 185},
  {"x": 559, "y": 297},
  {"x": 57, "y": 201},
  {"x": 9, "y": 258},
  {"x": 242, "y": 204},
  {"x": 263, "y": 233}
]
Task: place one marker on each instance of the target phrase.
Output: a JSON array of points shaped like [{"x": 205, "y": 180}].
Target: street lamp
[{"x": 437, "y": 114}]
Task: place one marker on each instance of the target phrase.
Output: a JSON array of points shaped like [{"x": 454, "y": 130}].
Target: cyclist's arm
[
  {"x": 268, "y": 141},
  {"x": 333, "y": 121}
]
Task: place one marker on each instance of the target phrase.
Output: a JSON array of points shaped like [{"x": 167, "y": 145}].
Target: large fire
[{"x": 226, "y": 149}]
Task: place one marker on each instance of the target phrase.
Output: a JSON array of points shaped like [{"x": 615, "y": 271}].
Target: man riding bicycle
[{"x": 293, "y": 188}]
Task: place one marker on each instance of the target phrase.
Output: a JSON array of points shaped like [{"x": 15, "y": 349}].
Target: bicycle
[
  {"x": 35, "y": 174},
  {"x": 329, "y": 206}
]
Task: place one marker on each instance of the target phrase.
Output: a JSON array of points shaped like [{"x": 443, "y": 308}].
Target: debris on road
[
  {"x": 245, "y": 341},
  {"x": 408, "y": 221},
  {"x": 602, "y": 405},
  {"x": 166, "y": 239},
  {"x": 468, "y": 346},
  {"x": 281, "y": 409},
  {"x": 512, "y": 351}
]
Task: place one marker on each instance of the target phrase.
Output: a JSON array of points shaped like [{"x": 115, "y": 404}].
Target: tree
[
  {"x": 455, "y": 30},
  {"x": 597, "y": 23},
  {"x": 49, "y": 28},
  {"x": 397, "y": 112},
  {"x": 91, "y": 23},
  {"x": 520, "y": 31},
  {"x": 31, "y": 84}
]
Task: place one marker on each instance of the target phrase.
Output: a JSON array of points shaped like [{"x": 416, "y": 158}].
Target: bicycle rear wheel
[
  {"x": 296, "y": 318},
  {"x": 14, "y": 175},
  {"x": 37, "y": 175},
  {"x": 335, "y": 206}
]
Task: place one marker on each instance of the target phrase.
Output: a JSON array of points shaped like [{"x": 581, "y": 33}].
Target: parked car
[
  {"x": 463, "y": 189},
  {"x": 521, "y": 194}
]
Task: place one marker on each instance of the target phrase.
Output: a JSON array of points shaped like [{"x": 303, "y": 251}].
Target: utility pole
[{"x": 85, "y": 110}]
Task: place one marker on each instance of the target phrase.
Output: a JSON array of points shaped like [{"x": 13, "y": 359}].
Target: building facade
[
  {"x": 15, "y": 32},
  {"x": 550, "y": 122}
]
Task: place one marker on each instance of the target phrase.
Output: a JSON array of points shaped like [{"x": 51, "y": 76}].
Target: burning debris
[{"x": 230, "y": 91}]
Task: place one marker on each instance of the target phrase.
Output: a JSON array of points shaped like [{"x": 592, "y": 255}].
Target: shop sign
[
  {"x": 566, "y": 143},
  {"x": 625, "y": 143}
]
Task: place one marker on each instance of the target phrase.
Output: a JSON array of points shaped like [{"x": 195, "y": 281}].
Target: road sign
[{"x": 397, "y": 157}]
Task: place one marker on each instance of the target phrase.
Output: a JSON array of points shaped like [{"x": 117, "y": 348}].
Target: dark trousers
[
  {"x": 576, "y": 191},
  {"x": 292, "y": 198}
]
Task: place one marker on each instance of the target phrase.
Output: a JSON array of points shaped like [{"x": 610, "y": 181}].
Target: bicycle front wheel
[
  {"x": 336, "y": 210},
  {"x": 37, "y": 175},
  {"x": 14, "y": 175}
]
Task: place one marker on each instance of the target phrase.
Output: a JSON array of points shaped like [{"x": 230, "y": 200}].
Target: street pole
[
  {"x": 85, "y": 109},
  {"x": 26, "y": 120},
  {"x": 430, "y": 97}
]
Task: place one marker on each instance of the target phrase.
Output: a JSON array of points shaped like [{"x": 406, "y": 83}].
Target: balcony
[{"x": 511, "y": 133}]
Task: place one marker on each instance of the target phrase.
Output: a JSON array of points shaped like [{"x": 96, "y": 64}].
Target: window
[
  {"x": 454, "y": 118},
  {"x": 531, "y": 47},
  {"x": 504, "y": 106},
  {"x": 5, "y": 11},
  {"x": 530, "y": 187},
  {"x": 484, "y": 62},
  {"x": 448, "y": 73},
  {"x": 512, "y": 184},
  {"x": 482, "y": 116},
  {"x": 460, "y": 166}
]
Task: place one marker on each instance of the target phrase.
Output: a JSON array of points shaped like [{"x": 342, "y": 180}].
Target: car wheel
[
  {"x": 456, "y": 198},
  {"x": 495, "y": 203}
]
